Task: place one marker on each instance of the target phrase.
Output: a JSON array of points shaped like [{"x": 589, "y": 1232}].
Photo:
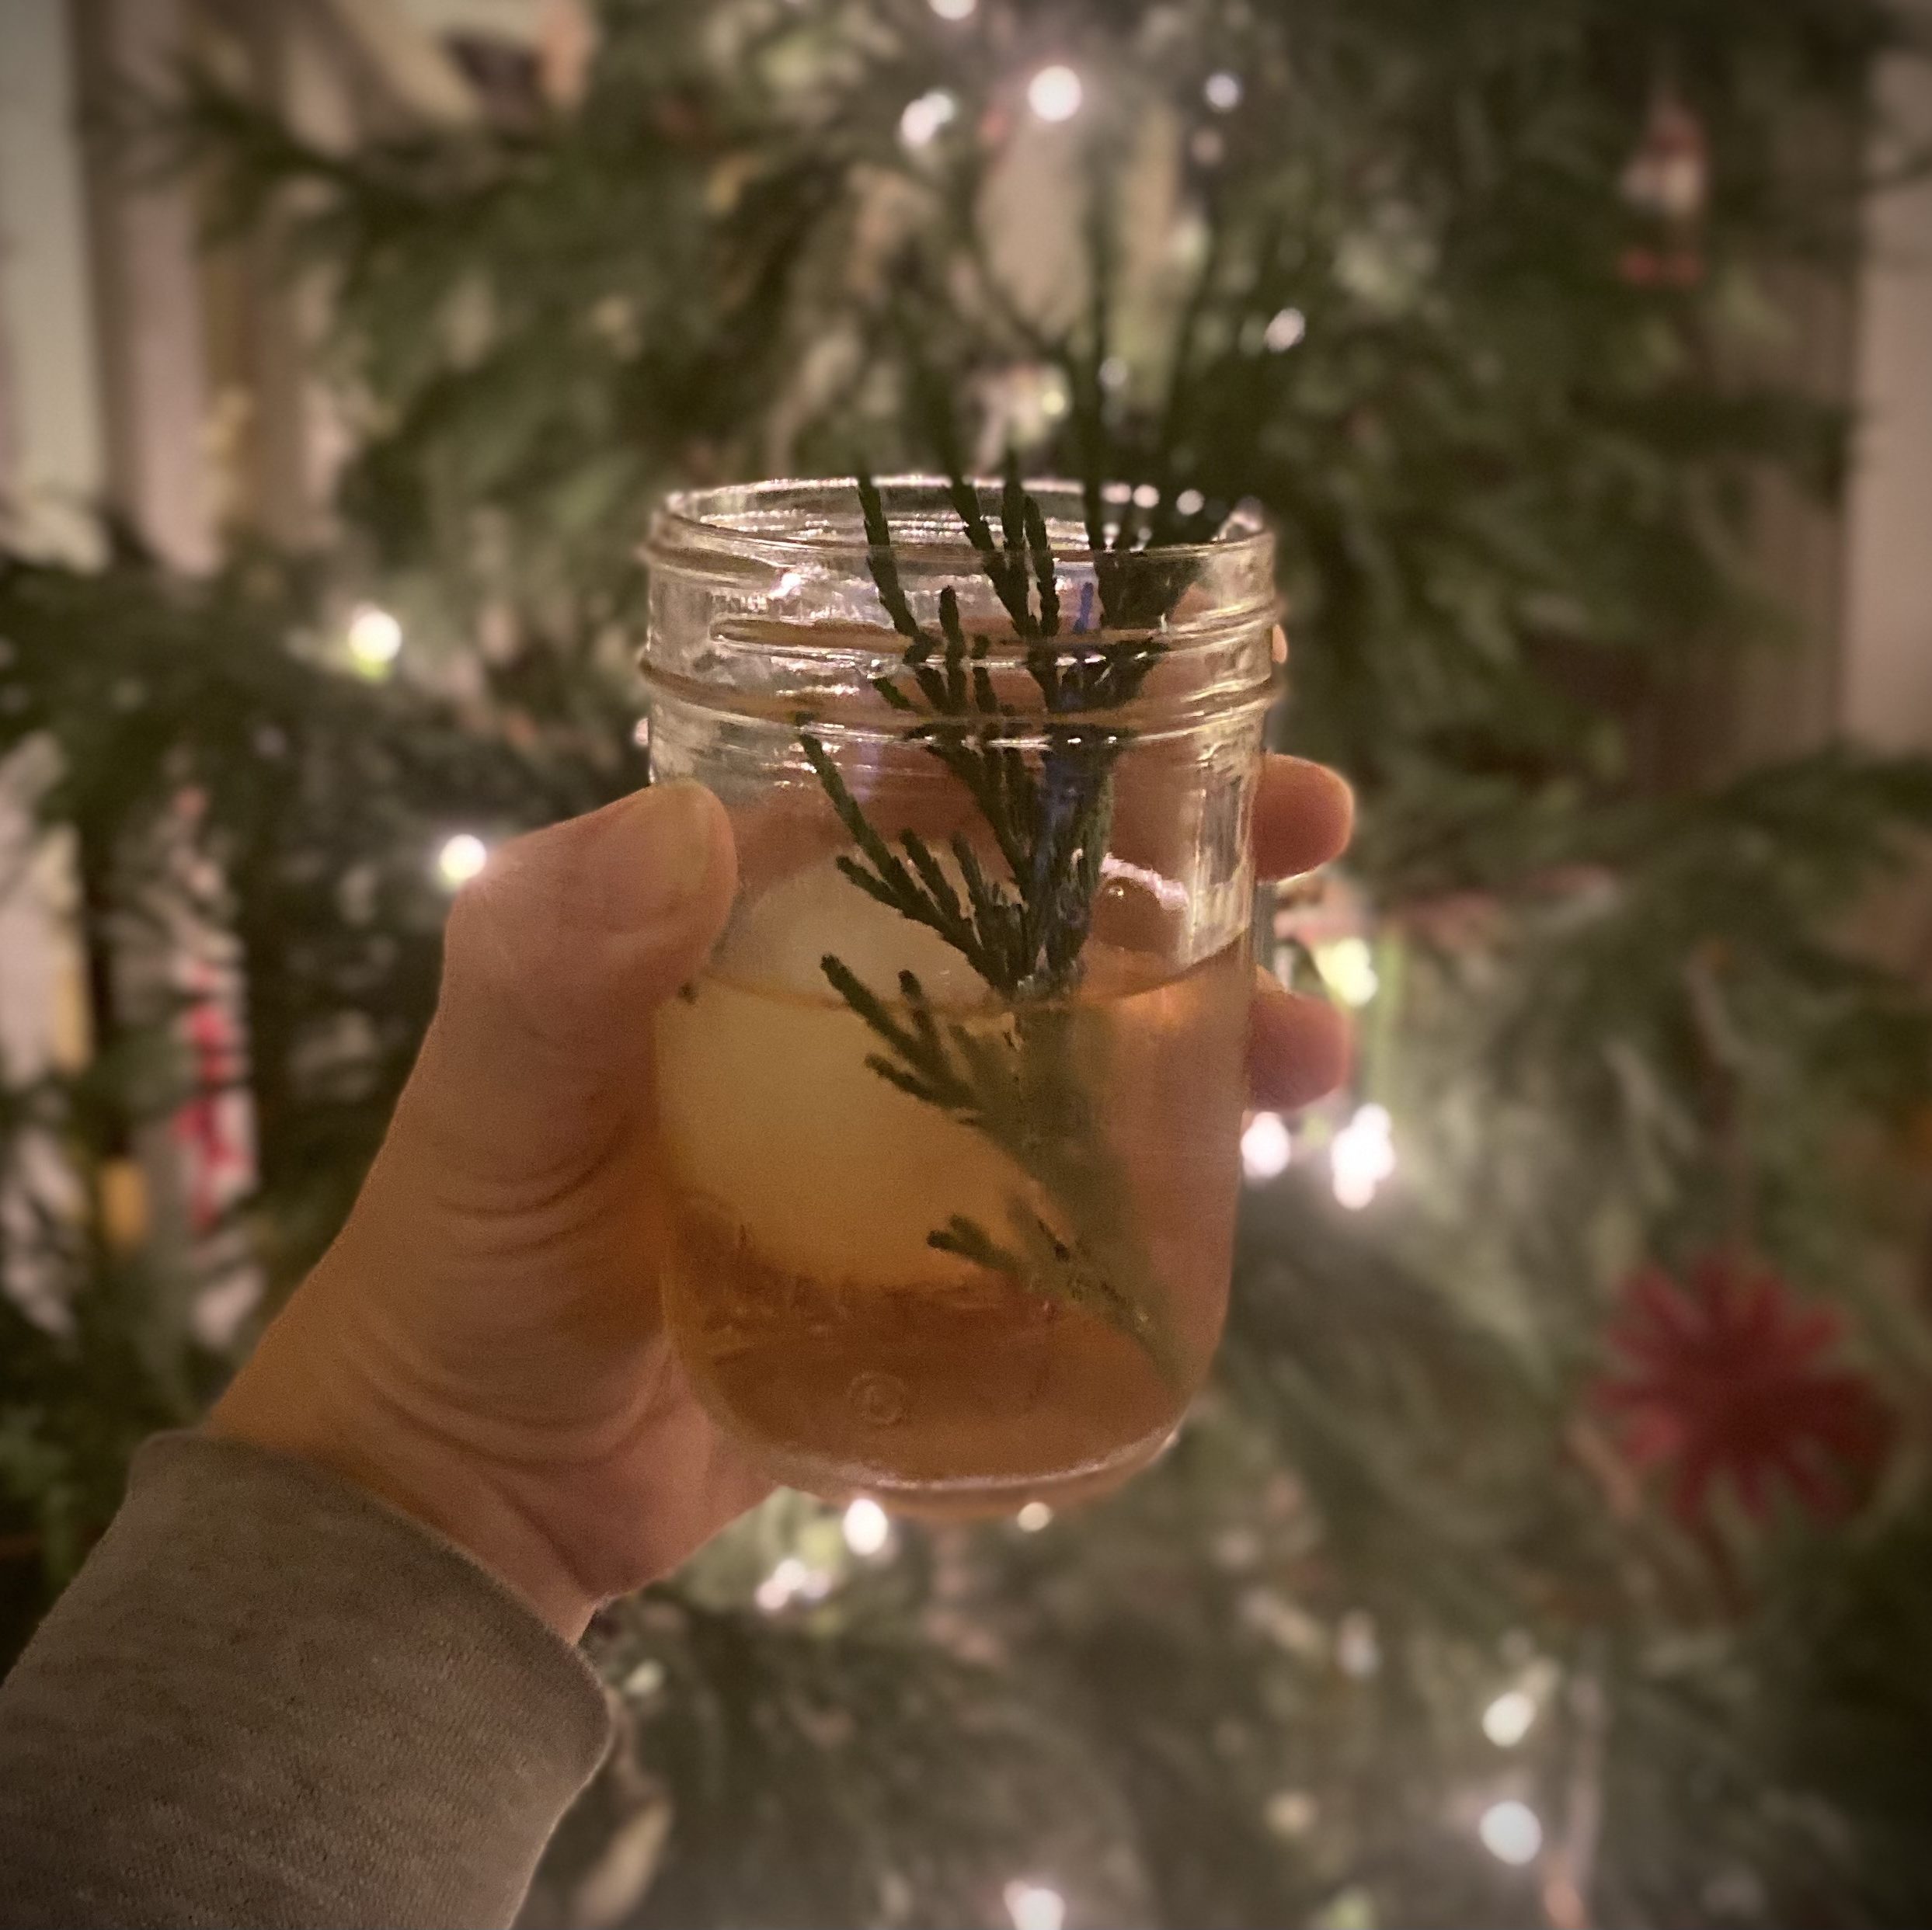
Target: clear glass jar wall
[{"x": 951, "y": 1114}]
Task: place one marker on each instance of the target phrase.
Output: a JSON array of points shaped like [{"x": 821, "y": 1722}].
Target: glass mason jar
[{"x": 951, "y": 1116}]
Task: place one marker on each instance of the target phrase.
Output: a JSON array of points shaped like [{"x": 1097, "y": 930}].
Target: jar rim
[{"x": 688, "y": 517}]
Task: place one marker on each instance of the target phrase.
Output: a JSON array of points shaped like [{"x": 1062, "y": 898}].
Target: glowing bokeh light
[
  {"x": 1056, "y": 93},
  {"x": 461, "y": 858}
]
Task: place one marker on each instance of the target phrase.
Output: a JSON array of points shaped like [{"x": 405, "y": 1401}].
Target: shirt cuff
[{"x": 270, "y": 1698}]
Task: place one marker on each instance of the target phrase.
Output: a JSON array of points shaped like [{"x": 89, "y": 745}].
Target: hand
[
  {"x": 1297, "y": 1048},
  {"x": 481, "y": 1346}
]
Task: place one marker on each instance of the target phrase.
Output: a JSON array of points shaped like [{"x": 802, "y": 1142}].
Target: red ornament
[
  {"x": 1727, "y": 1382},
  {"x": 1660, "y": 268},
  {"x": 213, "y": 1127}
]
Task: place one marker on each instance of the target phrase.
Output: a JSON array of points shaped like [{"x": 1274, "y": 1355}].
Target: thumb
[{"x": 554, "y": 961}]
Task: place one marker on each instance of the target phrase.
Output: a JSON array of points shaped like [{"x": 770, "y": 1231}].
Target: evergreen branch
[
  {"x": 966, "y": 502},
  {"x": 921, "y": 1067},
  {"x": 1005, "y": 566},
  {"x": 867, "y": 883},
  {"x": 949, "y": 624},
  {"x": 1023, "y": 1092},
  {"x": 1013, "y": 502},
  {"x": 1043, "y": 665},
  {"x": 882, "y": 566},
  {"x": 888, "y": 881},
  {"x": 1025, "y": 1096},
  {"x": 970, "y": 1241},
  {"x": 933, "y": 686},
  {"x": 934, "y": 880},
  {"x": 1049, "y": 833},
  {"x": 1042, "y": 551},
  {"x": 984, "y": 696},
  {"x": 914, "y": 994},
  {"x": 1088, "y": 390},
  {"x": 956, "y": 648},
  {"x": 1046, "y": 1265},
  {"x": 908, "y": 1082},
  {"x": 855, "y": 820},
  {"x": 1161, "y": 525}
]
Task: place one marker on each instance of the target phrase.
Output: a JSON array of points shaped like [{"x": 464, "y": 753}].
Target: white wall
[
  {"x": 47, "y": 362},
  {"x": 1886, "y": 675},
  {"x": 51, "y": 476},
  {"x": 513, "y": 20}
]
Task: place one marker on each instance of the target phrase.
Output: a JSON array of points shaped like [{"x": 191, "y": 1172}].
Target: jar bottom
[
  {"x": 967, "y": 1499},
  {"x": 967, "y": 1397}
]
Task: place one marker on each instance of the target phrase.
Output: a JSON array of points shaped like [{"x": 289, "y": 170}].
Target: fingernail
[{"x": 658, "y": 854}]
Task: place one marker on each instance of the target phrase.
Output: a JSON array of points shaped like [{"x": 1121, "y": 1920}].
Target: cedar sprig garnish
[
  {"x": 1041, "y": 1261},
  {"x": 1050, "y": 828},
  {"x": 989, "y": 928},
  {"x": 1023, "y": 1088},
  {"x": 1024, "y": 1095},
  {"x": 923, "y": 1063}
]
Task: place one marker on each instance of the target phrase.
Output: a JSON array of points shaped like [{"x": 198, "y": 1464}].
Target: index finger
[{"x": 1303, "y": 813}]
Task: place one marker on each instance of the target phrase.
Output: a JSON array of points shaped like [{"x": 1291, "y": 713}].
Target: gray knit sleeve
[{"x": 268, "y": 1699}]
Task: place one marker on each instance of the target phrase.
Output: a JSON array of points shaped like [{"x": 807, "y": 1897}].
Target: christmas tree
[{"x": 1549, "y": 1547}]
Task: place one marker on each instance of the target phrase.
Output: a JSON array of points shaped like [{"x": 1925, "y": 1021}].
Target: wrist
[{"x": 290, "y": 1399}]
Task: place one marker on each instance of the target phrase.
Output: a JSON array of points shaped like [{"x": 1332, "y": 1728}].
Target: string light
[
  {"x": 792, "y": 1580},
  {"x": 1267, "y": 1148},
  {"x": 1290, "y": 1812},
  {"x": 1347, "y": 969},
  {"x": 1222, "y": 93},
  {"x": 1358, "y": 1649},
  {"x": 461, "y": 858},
  {"x": 1362, "y": 1157},
  {"x": 1190, "y": 503},
  {"x": 1055, "y": 93},
  {"x": 954, "y": 9},
  {"x": 925, "y": 116},
  {"x": 1511, "y": 1832},
  {"x": 1032, "y": 1518},
  {"x": 375, "y": 638},
  {"x": 645, "y": 1680},
  {"x": 1034, "y": 1907},
  {"x": 1284, "y": 330},
  {"x": 1113, "y": 373},
  {"x": 1146, "y": 496},
  {"x": 776, "y": 1590},
  {"x": 1507, "y": 1721},
  {"x": 866, "y": 1526}
]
